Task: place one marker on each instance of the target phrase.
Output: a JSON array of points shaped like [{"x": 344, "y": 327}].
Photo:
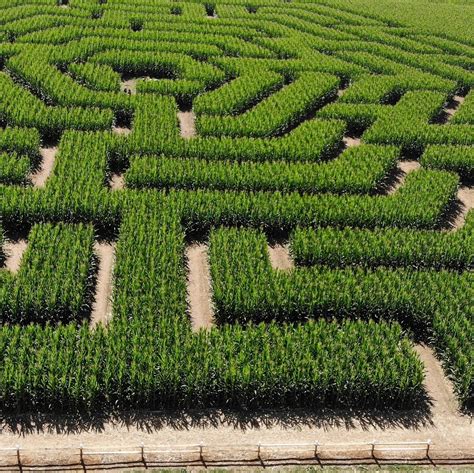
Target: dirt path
[
  {"x": 102, "y": 308},
  {"x": 341, "y": 91},
  {"x": 404, "y": 168},
  {"x": 117, "y": 182},
  {"x": 14, "y": 252},
  {"x": 120, "y": 130},
  {"x": 466, "y": 197},
  {"x": 280, "y": 257},
  {"x": 48, "y": 156},
  {"x": 350, "y": 141},
  {"x": 452, "y": 107},
  {"x": 186, "y": 124},
  {"x": 438, "y": 387},
  {"x": 199, "y": 287},
  {"x": 129, "y": 85}
]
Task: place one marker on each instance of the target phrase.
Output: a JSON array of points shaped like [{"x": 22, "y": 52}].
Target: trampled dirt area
[
  {"x": 14, "y": 252},
  {"x": 129, "y": 85},
  {"x": 102, "y": 308},
  {"x": 199, "y": 287},
  {"x": 404, "y": 168},
  {"x": 280, "y": 257},
  {"x": 186, "y": 124},
  {"x": 48, "y": 155},
  {"x": 466, "y": 200}
]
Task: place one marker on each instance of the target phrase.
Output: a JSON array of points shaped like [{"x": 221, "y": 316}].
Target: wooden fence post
[
  {"x": 18, "y": 458},
  {"x": 316, "y": 445}
]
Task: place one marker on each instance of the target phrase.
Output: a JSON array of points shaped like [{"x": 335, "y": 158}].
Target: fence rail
[{"x": 25, "y": 459}]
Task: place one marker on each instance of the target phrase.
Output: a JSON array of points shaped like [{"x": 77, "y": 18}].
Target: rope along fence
[{"x": 260, "y": 454}]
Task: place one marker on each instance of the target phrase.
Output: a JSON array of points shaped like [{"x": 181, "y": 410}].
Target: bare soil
[
  {"x": 102, "y": 308},
  {"x": 280, "y": 257},
  {"x": 14, "y": 252},
  {"x": 404, "y": 168},
  {"x": 120, "y": 130},
  {"x": 129, "y": 85},
  {"x": 350, "y": 141},
  {"x": 341, "y": 91},
  {"x": 199, "y": 287},
  {"x": 452, "y": 107},
  {"x": 186, "y": 124},
  {"x": 438, "y": 387},
  {"x": 117, "y": 182},
  {"x": 40, "y": 177},
  {"x": 466, "y": 197}
]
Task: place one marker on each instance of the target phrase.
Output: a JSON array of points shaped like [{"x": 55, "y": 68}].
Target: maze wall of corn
[{"x": 239, "y": 204}]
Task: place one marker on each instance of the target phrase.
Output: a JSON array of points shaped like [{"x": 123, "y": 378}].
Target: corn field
[{"x": 247, "y": 130}]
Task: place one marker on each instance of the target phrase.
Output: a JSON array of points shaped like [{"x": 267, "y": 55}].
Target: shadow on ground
[{"x": 152, "y": 421}]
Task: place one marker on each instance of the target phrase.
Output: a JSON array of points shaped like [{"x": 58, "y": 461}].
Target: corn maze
[{"x": 246, "y": 204}]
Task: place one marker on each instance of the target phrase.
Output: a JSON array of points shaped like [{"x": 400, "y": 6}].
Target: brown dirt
[
  {"x": 40, "y": 177},
  {"x": 350, "y": 141},
  {"x": 453, "y": 106},
  {"x": 199, "y": 287},
  {"x": 123, "y": 131},
  {"x": 186, "y": 124},
  {"x": 129, "y": 84},
  {"x": 341, "y": 91},
  {"x": 14, "y": 252},
  {"x": 404, "y": 168},
  {"x": 280, "y": 257},
  {"x": 102, "y": 308},
  {"x": 466, "y": 198},
  {"x": 117, "y": 182},
  {"x": 438, "y": 387}
]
